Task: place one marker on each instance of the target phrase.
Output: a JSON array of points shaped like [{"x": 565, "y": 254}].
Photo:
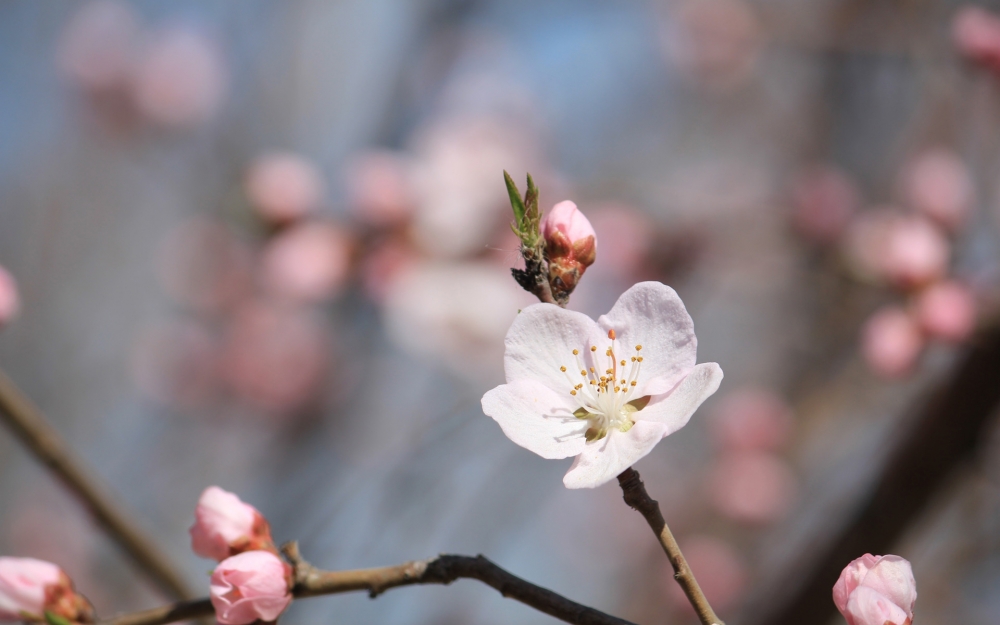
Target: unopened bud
[
  {"x": 225, "y": 526},
  {"x": 876, "y": 590},
  {"x": 10, "y": 301},
  {"x": 30, "y": 588},
  {"x": 250, "y": 587},
  {"x": 570, "y": 244}
]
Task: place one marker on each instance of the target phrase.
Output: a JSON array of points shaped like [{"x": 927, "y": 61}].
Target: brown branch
[
  {"x": 941, "y": 438},
  {"x": 44, "y": 441},
  {"x": 444, "y": 569},
  {"x": 635, "y": 495}
]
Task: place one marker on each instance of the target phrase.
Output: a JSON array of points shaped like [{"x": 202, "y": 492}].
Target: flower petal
[
  {"x": 652, "y": 315},
  {"x": 542, "y": 339},
  {"x": 602, "y": 460},
  {"x": 850, "y": 578},
  {"x": 537, "y": 418},
  {"x": 869, "y": 607},
  {"x": 892, "y": 577},
  {"x": 675, "y": 408}
]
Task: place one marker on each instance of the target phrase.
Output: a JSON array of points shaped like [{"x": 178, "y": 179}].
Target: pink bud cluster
[
  {"x": 876, "y": 590},
  {"x": 251, "y": 583},
  {"x": 908, "y": 251},
  {"x": 30, "y": 588}
]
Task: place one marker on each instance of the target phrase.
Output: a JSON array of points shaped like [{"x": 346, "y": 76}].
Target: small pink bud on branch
[
  {"x": 570, "y": 246},
  {"x": 225, "y": 526},
  {"x": 876, "y": 590},
  {"x": 249, "y": 587},
  {"x": 34, "y": 591}
]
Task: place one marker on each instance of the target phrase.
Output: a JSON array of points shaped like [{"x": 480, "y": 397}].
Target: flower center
[{"x": 605, "y": 391}]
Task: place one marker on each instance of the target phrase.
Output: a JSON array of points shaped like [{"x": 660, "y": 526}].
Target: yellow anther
[
  {"x": 618, "y": 388},
  {"x": 608, "y": 353},
  {"x": 576, "y": 352},
  {"x": 633, "y": 358},
  {"x": 583, "y": 372},
  {"x": 623, "y": 363},
  {"x": 592, "y": 370},
  {"x": 632, "y": 383},
  {"x": 638, "y": 348},
  {"x": 562, "y": 368},
  {"x": 639, "y": 358},
  {"x": 573, "y": 392}
]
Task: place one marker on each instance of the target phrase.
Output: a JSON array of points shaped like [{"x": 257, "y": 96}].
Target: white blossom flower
[{"x": 606, "y": 391}]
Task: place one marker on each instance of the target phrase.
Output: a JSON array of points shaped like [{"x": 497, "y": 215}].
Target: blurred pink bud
[
  {"x": 10, "y": 299},
  {"x": 876, "y": 590},
  {"x": 937, "y": 183},
  {"x": 752, "y": 487},
  {"x": 752, "y": 419},
  {"x": 283, "y": 187},
  {"x": 570, "y": 244},
  {"x": 891, "y": 342},
  {"x": 715, "y": 42},
  {"x": 308, "y": 262},
  {"x": 380, "y": 188},
  {"x": 976, "y": 33},
  {"x": 720, "y": 572},
  {"x": 276, "y": 357},
  {"x": 98, "y": 48},
  {"x": 947, "y": 311},
  {"x": 30, "y": 587},
  {"x": 225, "y": 526},
  {"x": 204, "y": 266},
  {"x": 249, "y": 587},
  {"x": 915, "y": 253},
  {"x": 181, "y": 79},
  {"x": 824, "y": 200}
]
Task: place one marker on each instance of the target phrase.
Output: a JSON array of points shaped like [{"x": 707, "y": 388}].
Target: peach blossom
[
  {"x": 98, "y": 48},
  {"x": 824, "y": 200},
  {"x": 752, "y": 487},
  {"x": 249, "y": 587},
  {"x": 876, "y": 590},
  {"x": 308, "y": 262},
  {"x": 181, "y": 79},
  {"x": 225, "y": 526},
  {"x": 29, "y": 588},
  {"x": 752, "y": 419},
  {"x": 891, "y": 342},
  {"x": 937, "y": 183},
  {"x": 380, "y": 188},
  {"x": 915, "y": 252},
  {"x": 976, "y": 33},
  {"x": 947, "y": 311},
  {"x": 570, "y": 246},
  {"x": 10, "y": 299},
  {"x": 284, "y": 186}
]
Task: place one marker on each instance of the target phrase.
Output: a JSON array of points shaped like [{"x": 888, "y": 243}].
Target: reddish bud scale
[{"x": 570, "y": 245}]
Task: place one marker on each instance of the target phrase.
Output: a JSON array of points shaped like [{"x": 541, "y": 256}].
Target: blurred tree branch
[
  {"x": 941, "y": 437},
  {"x": 48, "y": 446},
  {"x": 444, "y": 569}
]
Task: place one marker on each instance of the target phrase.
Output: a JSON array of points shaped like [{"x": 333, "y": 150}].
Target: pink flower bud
[
  {"x": 225, "y": 526},
  {"x": 915, "y": 253},
  {"x": 307, "y": 262},
  {"x": 937, "y": 183},
  {"x": 571, "y": 245},
  {"x": 10, "y": 300},
  {"x": 30, "y": 587},
  {"x": 947, "y": 311},
  {"x": 976, "y": 33},
  {"x": 251, "y": 586},
  {"x": 876, "y": 590},
  {"x": 283, "y": 186},
  {"x": 891, "y": 342}
]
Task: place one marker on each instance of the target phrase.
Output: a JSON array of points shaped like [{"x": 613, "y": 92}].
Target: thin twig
[
  {"x": 635, "y": 495},
  {"x": 45, "y": 442},
  {"x": 444, "y": 569}
]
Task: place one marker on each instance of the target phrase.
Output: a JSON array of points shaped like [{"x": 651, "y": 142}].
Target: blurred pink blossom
[
  {"x": 824, "y": 200},
  {"x": 284, "y": 187},
  {"x": 225, "y": 526},
  {"x": 98, "y": 49},
  {"x": 382, "y": 265},
  {"x": 23, "y": 587},
  {"x": 204, "y": 266},
  {"x": 876, "y": 590},
  {"x": 249, "y": 587},
  {"x": 380, "y": 188},
  {"x": 976, "y": 33},
  {"x": 307, "y": 262},
  {"x": 891, "y": 342},
  {"x": 751, "y": 486},
  {"x": 715, "y": 42},
  {"x": 947, "y": 311},
  {"x": 10, "y": 298},
  {"x": 276, "y": 356},
  {"x": 752, "y": 419},
  {"x": 181, "y": 79},
  {"x": 720, "y": 572},
  {"x": 916, "y": 252},
  {"x": 177, "y": 363},
  {"x": 937, "y": 183}
]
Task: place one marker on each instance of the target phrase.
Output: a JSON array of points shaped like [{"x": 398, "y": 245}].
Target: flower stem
[{"x": 635, "y": 495}]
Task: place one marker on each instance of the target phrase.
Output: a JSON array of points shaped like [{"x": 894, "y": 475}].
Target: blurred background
[{"x": 264, "y": 245}]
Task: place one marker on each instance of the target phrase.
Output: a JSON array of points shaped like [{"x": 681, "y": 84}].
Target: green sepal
[
  {"x": 54, "y": 619},
  {"x": 637, "y": 404},
  {"x": 583, "y": 413},
  {"x": 515, "y": 202}
]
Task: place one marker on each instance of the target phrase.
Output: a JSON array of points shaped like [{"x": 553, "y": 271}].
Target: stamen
[
  {"x": 638, "y": 348},
  {"x": 611, "y": 334},
  {"x": 576, "y": 352},
  {"x": 593, "y": 348},
  {"x": 563, "y": 369}
]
